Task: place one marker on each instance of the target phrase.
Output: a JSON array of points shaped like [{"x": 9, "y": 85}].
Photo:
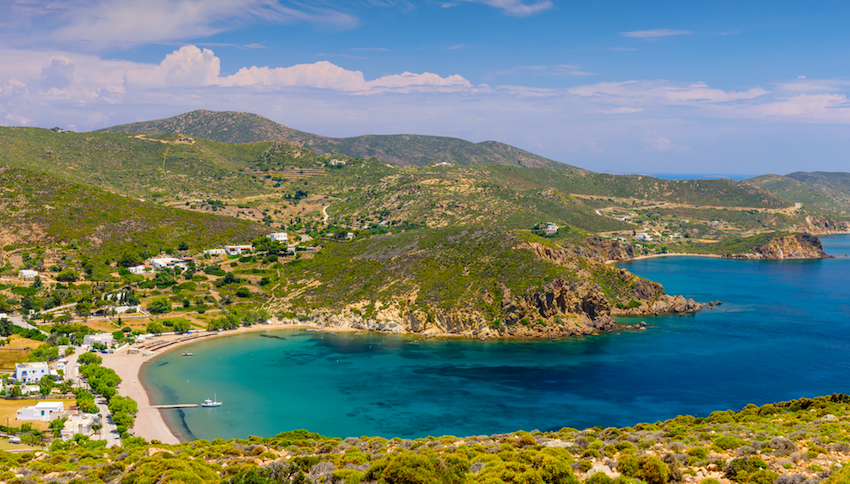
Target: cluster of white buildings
[
  {"x": 281, "y": 237},
  {"x": 77, "y": 423},
  {"x": 644, "y": 237},
  {"x": 33, "y": 372}
]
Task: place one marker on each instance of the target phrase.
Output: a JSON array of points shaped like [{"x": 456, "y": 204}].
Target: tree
[
  {"x": 67, "y": 275},
  {"x": 159, "y": 305},
  {"x": 45, "y": 385},
  {"x": 183, "y": 245},
  {"x": 154, "y": 328},
  {"x": 181, "y": 326},
  {"x": 89, "y": 359}
]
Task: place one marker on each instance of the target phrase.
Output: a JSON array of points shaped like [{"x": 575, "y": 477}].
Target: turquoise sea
[{"x": 782, "y": 332}]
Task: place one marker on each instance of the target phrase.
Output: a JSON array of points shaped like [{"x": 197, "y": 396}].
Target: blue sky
[{"x": 626, "y": 86}]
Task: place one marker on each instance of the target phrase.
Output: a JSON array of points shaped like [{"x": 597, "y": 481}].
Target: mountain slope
[
  {"x": 402, "y": 150},
  {"x": 828, "y": 192},
  {"x": 43, "y": 210}
]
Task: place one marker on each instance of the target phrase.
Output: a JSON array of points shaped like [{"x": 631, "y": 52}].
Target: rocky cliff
[
  {"x": 793, "y": 246},
  {"x": 580, "y": 301}
]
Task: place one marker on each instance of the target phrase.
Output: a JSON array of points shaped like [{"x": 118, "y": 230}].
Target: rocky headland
[{"x": 793, "y": 246}]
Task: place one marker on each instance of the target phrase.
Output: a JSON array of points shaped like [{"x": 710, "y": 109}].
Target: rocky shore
[
  {"x": 562, "y": 309},
  {"x": 794, "y": 246}
]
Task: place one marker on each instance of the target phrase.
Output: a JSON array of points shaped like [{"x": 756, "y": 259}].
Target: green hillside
[
  {"x": 41, "y": 210},
  {"x": 402, "y": 150},
  {"x": 829, "y": 192},
  {"x": 135, "y": 166},
  {"x": 799, "y": 441}
]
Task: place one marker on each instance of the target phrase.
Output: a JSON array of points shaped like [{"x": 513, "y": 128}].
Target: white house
[
  {"x": 60, "y": 366},
  {"x": 278, "y": 236},
  {"x": 550, "y": 229},
  {"x": 349, "y": 236},
  {"x": 79, "y": 423},
  {"x": 43, "y": 411},
  {"x": 237, "y": 249},
  {"x": 102, "y": 338},
  {"x": 623, "y": 219},
  {"x": 140, "y": 269},
  {"x": 644, "y": 236},
  {"x": 127, "y": 309},
  {"x": 27, "y": 274},
  {"x": 31, "y": 372},
  {"x": 215, "y": 252}
]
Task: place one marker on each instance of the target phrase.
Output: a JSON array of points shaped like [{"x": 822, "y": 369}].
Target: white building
[
  {"x": 31, "y": 372},
  {"x": 27, "y": 274},
  {"x": 644, "y": 236},
  {"x": 102, "y": 338},
  {"x": 349, "y": 236},
  {"x": 550, "y": 229},
  {"x": 127, "y": 309},
  {"x": 237, "y": 249},
  {"x": 43, "y": 411},
  {"x": 140, "y": 269},
  {"x": 215, "y": 252},
  {"x": 278, "y": 236},
  {"x": 79, "y": 423}
]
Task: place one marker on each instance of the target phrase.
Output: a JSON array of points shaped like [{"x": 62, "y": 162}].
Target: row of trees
[{"x": 103, "y": 381}]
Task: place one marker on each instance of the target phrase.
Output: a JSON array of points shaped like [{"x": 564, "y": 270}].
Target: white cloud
[
  {"x": 109, "y": 23},
  {"x": 654, "y": 33},
  {"x": 623, "y": 110},
  {"x": 664, "y": 92},
  {"x": 663, "y": 144},
  {"x": 189, "y": 66},
  {"x": 516, "y": 8}
]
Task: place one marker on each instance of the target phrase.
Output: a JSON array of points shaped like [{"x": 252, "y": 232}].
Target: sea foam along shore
[{"x": 150, "y": 424}]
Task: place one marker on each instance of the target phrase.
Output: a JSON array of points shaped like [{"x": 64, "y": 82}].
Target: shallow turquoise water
[{"x": 783, "y": 332}]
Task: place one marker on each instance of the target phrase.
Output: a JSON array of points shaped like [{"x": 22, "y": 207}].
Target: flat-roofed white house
[
  {"x": 31, "y": 372},
  {"x": 278, "y": 236},
  {"x": 215, "y": 252},
  {"x": 140, "y": 269},
  {"x": 643, "y": 236},
  {"x": 27, "y": 274},
  {"x": 102, "y": 338},
  {"x": 550, "y": 229},
  {"x": 79, "y": 423},
  {"x": 237, "y": 249},
  {"x": 43, "y": 411}
]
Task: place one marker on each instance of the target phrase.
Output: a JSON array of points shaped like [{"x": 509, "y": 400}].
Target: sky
[{"x": 722, "y": 87}]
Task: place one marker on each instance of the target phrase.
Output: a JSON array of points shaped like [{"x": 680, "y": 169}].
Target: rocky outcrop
[
  {"x": 664, "y": 304},
  {"x": 793, "y": 246}
]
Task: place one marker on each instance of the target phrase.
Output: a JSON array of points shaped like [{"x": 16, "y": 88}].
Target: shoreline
[
  {"x": 150, "y": 423},
  {"x": 669, "y": 254}
]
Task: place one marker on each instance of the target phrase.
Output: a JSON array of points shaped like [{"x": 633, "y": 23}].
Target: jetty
[{"x": 177, "y": 405}]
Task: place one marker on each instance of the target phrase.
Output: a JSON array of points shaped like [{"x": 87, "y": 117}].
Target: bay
[{"x": 782, "y": 332}]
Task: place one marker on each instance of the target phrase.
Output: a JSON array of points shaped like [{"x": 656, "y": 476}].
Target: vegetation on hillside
[
  {"x": 798, "y": 441},
  {"x": 817, "y": 191},
  {"x": 402, "y": 150}
]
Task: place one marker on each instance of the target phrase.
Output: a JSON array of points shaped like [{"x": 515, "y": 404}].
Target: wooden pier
[{"x": 178, "y": 405}]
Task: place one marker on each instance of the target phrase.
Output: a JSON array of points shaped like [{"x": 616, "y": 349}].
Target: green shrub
[{"x": 727, "y": 442}]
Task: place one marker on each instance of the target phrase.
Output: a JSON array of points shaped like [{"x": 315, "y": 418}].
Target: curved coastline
[{"x": 151, "y": 424}]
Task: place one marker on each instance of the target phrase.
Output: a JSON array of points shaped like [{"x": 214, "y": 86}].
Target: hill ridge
[{"x": 398, "y": 149}]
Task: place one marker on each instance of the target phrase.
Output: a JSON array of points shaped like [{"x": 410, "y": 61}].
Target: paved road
[
  {"x": 109, "y": 432},
  {"x": 19, "y": 321}
]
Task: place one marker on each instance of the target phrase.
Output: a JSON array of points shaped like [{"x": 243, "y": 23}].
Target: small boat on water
[
  {"x": 188, "y": 354},
  {"x": 211, "y": 403}
]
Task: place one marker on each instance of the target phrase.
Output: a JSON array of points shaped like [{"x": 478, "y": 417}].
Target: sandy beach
[
  {"x": 149, "y": 422},
  {"x": 653, "y": 256}
]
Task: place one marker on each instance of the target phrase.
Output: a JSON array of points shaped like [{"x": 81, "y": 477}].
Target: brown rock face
[{"x": 794, "y": 246}]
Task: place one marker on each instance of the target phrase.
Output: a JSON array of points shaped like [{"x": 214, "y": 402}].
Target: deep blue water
[{"x": 782, "y": 332}]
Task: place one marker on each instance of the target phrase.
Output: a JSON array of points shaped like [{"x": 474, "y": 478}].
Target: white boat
[
  {"x": 211, "y": 403},
  {"x": 187, "y": 354}
]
